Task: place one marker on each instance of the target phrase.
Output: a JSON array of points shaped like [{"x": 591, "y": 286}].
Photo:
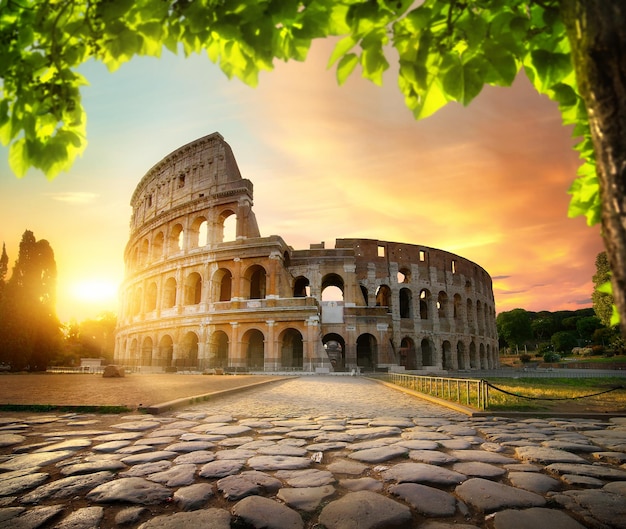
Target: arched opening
[
  {"x": 146, "y": 352},
  {"x": 383, "y": 297},
  {"x": 404, "y": 275},
  {"x": 473, "y": 357},
  {"x": 176, "y": 239},
  {"x": 292, "y": 349},
  {"x": 332, "y": 287},
  {"x": 335, "y": 347},
  {"x": 447, "y": 360},
  {"x": 424, "y": 304},
  {"x": 301, "y": 288},
  {"x": 169, "y": 293},
  {"x": 193, "y": 289},
  {"x": 157, "y": 246},
  {"x": 222, "y": 285},
  {"x": 151, "y": 297},
  {"x": 198, "y": 233},
  {"x": 442, "y": 305},
  {"x": 427, "y": 353},
  {"x": 219, "y": 342},
  {"x": 187, "y": 357},
  {"x": 166, "y": 351},
  {"x": 254, "y": 345},
  {"x": 257, "y": 279},
  {"x": 228, "y": 226},
  {"x": 366, "y": 349},
  {"x": 406, "y": 303},
  {"x": 460, "y": 355},
  {"x": 407, "y": 354}
]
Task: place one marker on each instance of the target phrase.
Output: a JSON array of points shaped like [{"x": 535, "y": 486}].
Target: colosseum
[{"x": 203, "y": 290}]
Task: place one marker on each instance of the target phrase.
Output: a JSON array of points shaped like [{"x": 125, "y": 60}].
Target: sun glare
[{"x": 94, "y": 290}]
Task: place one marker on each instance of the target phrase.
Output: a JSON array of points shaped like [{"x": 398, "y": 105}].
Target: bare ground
[{"x": 133, "y": 391}]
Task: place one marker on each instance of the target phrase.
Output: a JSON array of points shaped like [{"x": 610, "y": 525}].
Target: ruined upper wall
[
  {"x": 380, "y": 253},
  {"x": 203, "y": 169}
]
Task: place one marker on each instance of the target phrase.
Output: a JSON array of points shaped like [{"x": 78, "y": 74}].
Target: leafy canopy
[{"x": 446, "y": 50}]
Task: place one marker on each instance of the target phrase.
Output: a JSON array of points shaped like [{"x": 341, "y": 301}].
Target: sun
[{"x": 94, "y": 290}]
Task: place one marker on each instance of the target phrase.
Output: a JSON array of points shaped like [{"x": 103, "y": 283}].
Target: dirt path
[{"x": 132, "y": 391}]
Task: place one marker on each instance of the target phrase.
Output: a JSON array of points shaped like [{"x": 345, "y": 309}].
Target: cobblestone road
[
  {"x": 315, "y": 396},
  {"x": 313, "y": 452}
]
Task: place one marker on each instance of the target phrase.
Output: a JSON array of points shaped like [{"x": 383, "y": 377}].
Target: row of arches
[
  {"x": 404, "y": 275},
  {"x": 479, "y": 316},
  {"x": 175, "y": 238},
  {"x": 253, "y": 352},
  {"x": 190, "y": 291}
]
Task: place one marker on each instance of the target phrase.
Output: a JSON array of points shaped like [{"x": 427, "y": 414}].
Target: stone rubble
[{"x": 222, "y": 466}]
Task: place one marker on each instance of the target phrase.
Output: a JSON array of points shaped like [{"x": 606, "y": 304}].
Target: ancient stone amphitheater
[{"x": 205, "y": 291}]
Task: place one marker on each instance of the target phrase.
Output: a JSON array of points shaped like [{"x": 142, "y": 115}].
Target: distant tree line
[
  {"x": 91, "y": 338},
  {"x": 30, "y": 332},
  {"x": 31, "y": 336},
  {"x": 558, "y": 333}
]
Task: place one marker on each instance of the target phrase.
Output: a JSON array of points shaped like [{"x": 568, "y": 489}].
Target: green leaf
[
  {"x": 374, "y": 65},
  {"x": 585, "y": 191},
  {"x": 463, "y": 82},
  {"x": 418, "y": 18},
  {"x": 503, "y": 67},
  {"x": 18, "y": 157},
  {"x": 551, "y": 68},
  {"x": 430, "y": 100},
  {"x": 341, "y": 48},
  {"x": 346, "y": 66}
]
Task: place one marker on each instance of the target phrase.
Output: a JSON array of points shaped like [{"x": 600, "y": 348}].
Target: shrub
[
  {"x": 551, "y": 357},
  {"x": 524, "y": 358}
]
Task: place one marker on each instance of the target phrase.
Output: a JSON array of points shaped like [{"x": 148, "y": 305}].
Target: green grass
[{"x": 571, "y": 392}]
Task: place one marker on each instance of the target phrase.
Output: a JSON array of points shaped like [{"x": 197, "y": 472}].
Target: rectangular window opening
[
  {"x": 453, "y": 266},
  {"x": 422, "y": 255},
  {"x": 381, "y": 251}
]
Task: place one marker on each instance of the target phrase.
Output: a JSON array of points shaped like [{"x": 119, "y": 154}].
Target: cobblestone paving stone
[{"x": 311, "y": 452}]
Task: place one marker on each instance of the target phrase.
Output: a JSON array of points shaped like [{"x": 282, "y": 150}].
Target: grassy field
[{"x": 559, "y": 394}]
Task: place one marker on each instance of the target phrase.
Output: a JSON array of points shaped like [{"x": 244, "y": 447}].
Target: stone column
[
  {"x": 236, "y": 357},
  {"x": 272, "y": 291},
  {"x": 237, "y": 281},
  {"x": 351, "y": 285},
  {"x": 310, "y": 357},
  {"x": 271, "y": 358}
]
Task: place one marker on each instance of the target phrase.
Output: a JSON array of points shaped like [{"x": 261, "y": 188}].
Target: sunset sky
[{"x": 487, "y": 182}]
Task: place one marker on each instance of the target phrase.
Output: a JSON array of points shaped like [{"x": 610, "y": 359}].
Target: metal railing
[{"x": 466, "y": 391}]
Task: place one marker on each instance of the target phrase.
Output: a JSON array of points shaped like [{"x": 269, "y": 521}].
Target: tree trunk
[{"x": 597, "y": 34}]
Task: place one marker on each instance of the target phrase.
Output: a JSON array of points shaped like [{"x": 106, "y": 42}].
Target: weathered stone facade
[{"x": 193, "y": 300}]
